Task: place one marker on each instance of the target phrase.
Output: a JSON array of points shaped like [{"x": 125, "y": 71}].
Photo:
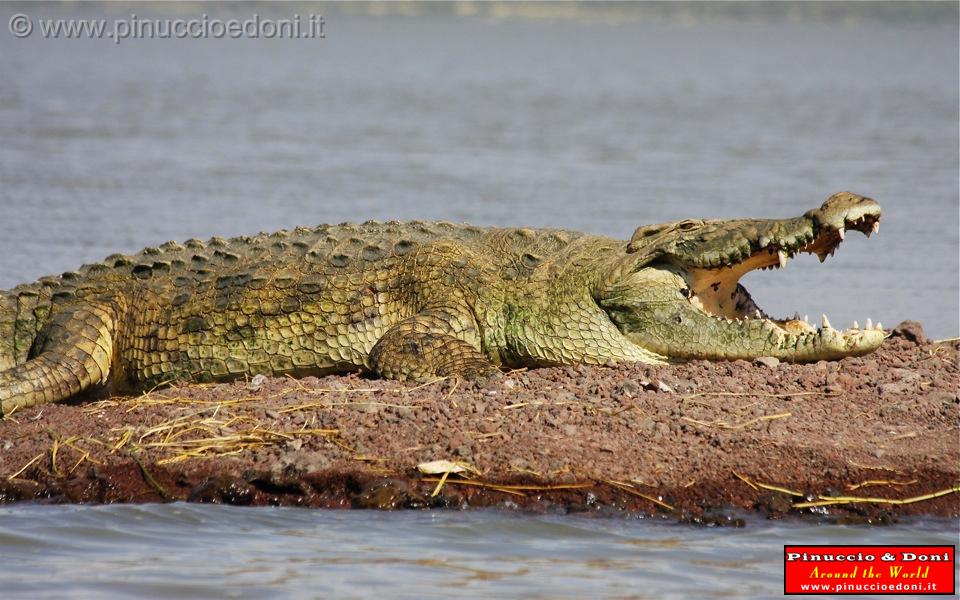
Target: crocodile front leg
[
  {"x": 432, "y": 343},
  {"x": 72, "y": 353}
]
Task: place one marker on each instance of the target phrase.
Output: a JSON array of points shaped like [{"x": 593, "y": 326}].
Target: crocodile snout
[{"x": 844, "y": 211}]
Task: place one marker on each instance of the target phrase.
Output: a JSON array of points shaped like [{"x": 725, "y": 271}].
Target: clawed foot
[{"x": 472, "y": 370}]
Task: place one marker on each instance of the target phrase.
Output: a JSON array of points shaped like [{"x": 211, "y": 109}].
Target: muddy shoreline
[{"x": 860, "y": 440}]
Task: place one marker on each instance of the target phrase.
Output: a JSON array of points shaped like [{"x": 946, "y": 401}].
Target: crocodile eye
[{"x": 687, "y": 225}]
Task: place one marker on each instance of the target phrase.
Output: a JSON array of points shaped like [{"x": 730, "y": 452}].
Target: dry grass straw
[
  {"x": 443, "y": 480},
  {"x": 515, "y": 490},
  {"x": 53, "y": 457},
  {"x": 30, "y": 463},
  {"x": 720, "y": 424},
  {"x": 872, "y": 482},
  {"x": 327, "y": 404},
  {"x": 628, "y": 488},
  {"x": 766, "y": 486},
  {"x": 687, "y": 397},
  {"x": 191, "y": 436},
  {"x": 55, "y": 453},
  {"x": 85, "y": 456},
  {"x": 538, "y": 403},
  {"x": 205, "y": 431},
  {"x": 225, "y": 445},
  {"x": 833, "y": 500},
  {"x": 149, "y": 398}
]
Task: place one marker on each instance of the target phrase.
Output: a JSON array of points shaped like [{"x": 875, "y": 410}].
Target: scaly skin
[{"x": 407, "y": 301}]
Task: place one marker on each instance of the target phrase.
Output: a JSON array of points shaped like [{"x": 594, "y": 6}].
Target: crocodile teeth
[
  {"x": 856, "y": 325},
  {"x": 806, "y": 318},
  {"x": 782, "y": 257},
  {"x": 757, "y": 314},
  {"x": 869, "y": 324},
  {"x": 824, "y": 322},
  {"x": 840, "y": 232},
  {"x": 876, "y": 226},
  {"x": 879, "y": 326}
]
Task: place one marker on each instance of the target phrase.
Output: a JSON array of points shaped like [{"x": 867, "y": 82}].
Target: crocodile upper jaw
[{"x": 718, "y": 293}]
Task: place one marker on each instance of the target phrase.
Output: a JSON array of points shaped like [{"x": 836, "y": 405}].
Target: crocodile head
[{"x": 677, "y": 291}]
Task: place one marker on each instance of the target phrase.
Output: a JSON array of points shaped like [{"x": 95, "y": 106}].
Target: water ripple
[{"x": 200, "y": 551}]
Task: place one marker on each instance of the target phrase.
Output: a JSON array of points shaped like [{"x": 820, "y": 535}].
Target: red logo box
[{"x": 869, "y": 570}]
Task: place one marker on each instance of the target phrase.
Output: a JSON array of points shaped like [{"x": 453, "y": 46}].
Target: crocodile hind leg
[
  {"x": 72, "y": 353},
  {"x": 433, "y": 343}
]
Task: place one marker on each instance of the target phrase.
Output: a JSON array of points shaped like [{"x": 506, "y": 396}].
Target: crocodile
[{"x": 415, "y": 301}]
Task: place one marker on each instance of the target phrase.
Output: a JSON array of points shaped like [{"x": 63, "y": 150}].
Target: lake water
[
  {"x": 204, "y": 551},
  {"x": 594, "y": 126}
]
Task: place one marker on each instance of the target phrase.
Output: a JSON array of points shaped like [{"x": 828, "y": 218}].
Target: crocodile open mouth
[{"x": 716, "y": 291}]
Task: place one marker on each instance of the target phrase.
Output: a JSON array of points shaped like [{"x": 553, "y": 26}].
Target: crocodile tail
[{"x": 72, "y": 353}]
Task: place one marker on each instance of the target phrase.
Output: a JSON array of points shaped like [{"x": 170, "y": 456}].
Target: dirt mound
[{"x": 868, "y": 438}]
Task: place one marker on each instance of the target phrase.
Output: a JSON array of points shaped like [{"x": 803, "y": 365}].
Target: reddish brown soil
[{"x": 699, "y": 439}]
